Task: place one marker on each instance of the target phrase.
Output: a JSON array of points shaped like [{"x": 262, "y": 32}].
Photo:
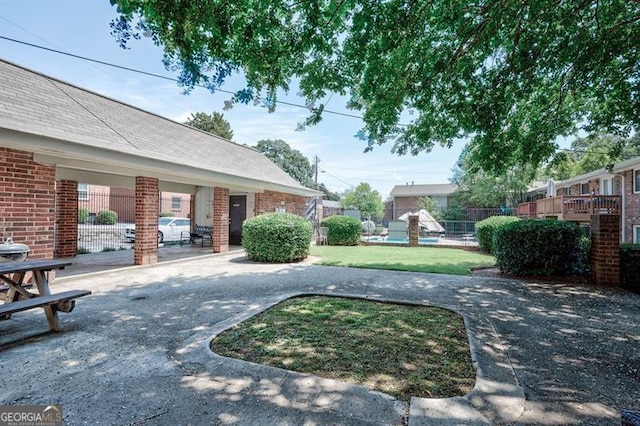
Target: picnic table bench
[
  {"x": 18, "y": 298},
  {"x": 199, "y": 231}
]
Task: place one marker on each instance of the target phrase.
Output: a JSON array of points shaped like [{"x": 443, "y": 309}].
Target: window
[
  {"x": 584, "y": 189},
  {"x": 607, "y": 186},
  {"x": 176, "y": 203},
  {"x": 636, "y": 181},
  {"x": 636, "y": 234},
  {"x": 83, "y": 191},
  {"x": 567, "y": 191}
]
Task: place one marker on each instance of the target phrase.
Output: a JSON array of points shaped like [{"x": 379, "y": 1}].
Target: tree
[
  {"x": 214, "y": 124},
  {"x": 328, "y": 195},
  {"x": 288, "y": 159},
  {"x": 592, "y": 153},
  {"x": 510, "y": 76},
  {"x": 365, "y": 199},
  {"x": 480, "y": 189},
  {"x": 431, "y": 206}
]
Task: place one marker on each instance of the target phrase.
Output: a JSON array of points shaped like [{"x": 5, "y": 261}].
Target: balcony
[{"x": 577, "y": 208}]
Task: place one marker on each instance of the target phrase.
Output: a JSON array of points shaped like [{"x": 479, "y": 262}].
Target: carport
[{"x": 54, "y": 135}]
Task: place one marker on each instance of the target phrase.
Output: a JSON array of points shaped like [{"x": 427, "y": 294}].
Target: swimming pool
[{"x": 401, "y": 240}]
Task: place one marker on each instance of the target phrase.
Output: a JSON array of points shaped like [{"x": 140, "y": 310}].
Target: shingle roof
[
  {"x": 423, "y": 190},
  {"x": 37, "y": 104}
]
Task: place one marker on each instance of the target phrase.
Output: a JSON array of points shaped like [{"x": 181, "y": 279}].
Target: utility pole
[{"x": 316, "y": 222}]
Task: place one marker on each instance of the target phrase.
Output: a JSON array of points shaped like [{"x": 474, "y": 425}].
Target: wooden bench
[
  {"x": 62, "y": 302},
  {"x": 19, "y": 299},
  {"x": 205, "y": 233}
]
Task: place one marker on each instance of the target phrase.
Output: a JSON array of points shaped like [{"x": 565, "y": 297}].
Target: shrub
[
  {"x": 486, "y": 228},
  {"x": 166, "y": 214},
  {"x": 106, "y": 217},
  {"x": 343, "y": 230},
  {"x": 537, "y": 247},
  {"x": 276, "y": 237},
  {"x": 83, "y": 215},
  {"x": 630, "y": 267}
]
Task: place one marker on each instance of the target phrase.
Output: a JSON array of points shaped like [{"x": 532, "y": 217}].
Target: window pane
[
  {"x": 636, "y": 234},
  {"x": 636, "y": 181},
  {"x": 176, "y": 203}
]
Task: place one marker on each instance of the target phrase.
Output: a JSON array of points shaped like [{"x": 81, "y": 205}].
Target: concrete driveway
[{"x": 135, "y": 351}]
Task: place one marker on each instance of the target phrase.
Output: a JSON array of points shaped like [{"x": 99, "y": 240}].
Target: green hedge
[
  {"x": 343, "y": 230},
  {"x": 538, "y": 247},
  {"x": 630, "y": 267},
  {"x": 276, "y": 237},
  {"x": 106, "y": 217},
  {"x": 83, "y": 215},
  {"x": 486, "y": 228}
]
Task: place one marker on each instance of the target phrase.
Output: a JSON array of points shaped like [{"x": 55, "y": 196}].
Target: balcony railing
[{"x": 571, "y": 207}]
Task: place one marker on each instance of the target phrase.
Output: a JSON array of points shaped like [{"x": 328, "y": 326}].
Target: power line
[{"x": 150, "y": 74}]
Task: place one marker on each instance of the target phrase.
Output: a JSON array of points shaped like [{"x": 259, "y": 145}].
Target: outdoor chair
[{"x": 323, "y": 233}]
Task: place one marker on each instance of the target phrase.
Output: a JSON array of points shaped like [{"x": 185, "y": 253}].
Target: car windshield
[{"x": 165, "y": 221}]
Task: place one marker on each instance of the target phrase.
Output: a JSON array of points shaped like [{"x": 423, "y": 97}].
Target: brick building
[
  {"x": 404, "y": 198},
  {"x": 55, "y": 136}
]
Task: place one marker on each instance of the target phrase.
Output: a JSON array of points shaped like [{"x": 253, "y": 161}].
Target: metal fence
[{"x": 104, "y": 216}]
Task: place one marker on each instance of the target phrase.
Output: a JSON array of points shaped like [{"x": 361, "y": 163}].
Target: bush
[
  {"x": 343, "y": 230},
  {"x": 276, "y": 237},
  {"x": 167, "y": 214},
  {"x": 106, "y": 217},
  {"x": 537, "y": 247},
  {"x": 630, "y": 267},
  {"x": 83, "y": 215},
  {"x": 486, "y": 228}
]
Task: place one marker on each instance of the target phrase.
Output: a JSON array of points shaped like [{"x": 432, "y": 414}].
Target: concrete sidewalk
[{"x": 136, "y": 352}]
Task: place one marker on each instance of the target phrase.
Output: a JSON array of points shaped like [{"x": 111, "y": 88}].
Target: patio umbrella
[
  {"x": 425, "y": 220},
  {"x": 551, "y": 188}
]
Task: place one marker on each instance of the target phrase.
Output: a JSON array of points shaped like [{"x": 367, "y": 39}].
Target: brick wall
[
  {"x": 27, "y": 202},
  {"x": 605, "y": 249},
  {"x": 632, "y": 206},
  {"x": 147, "y": 202},
  {"x": 66, "y": 218},
  {"x": 404, "y": 205},
  {"x": 269, "y": 201},
  {"x": 220, "y": 220}
]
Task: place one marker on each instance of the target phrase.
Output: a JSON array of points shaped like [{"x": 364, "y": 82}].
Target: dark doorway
[{"x": 237, "y": 215}]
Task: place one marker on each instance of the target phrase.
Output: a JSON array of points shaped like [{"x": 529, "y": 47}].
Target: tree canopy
[
  {"x": 365, "y": 199},
  {"x": 288, "y": 159},
  {"x": 591, "y": 153},
  {"x": 509, "y": 75},
  {"x": 214, "y": 124}
]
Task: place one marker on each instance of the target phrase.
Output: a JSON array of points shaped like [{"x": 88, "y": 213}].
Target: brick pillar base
[
  {"x": 605, "y": 249},
  {"x": 147, "y": 205},
  {"x": 220, "y": 220},
  {"x": 66, "y": 242},
  {"x": 413, "y": 231}
]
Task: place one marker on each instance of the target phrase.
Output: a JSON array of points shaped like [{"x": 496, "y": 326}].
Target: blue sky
[{"x": 81, "y": 27}]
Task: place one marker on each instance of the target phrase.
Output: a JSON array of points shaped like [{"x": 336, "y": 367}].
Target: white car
[{"x": 169, "y": 229}]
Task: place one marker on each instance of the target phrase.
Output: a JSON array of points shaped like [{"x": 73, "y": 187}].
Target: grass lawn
[
  {"x": 413, "y": 259},
  {"x": 401, "y": 350}
]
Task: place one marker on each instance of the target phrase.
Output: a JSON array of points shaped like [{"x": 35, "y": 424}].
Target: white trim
[
  {"x": 635, "y": 182},
  {"x": 636, "y": 234}
]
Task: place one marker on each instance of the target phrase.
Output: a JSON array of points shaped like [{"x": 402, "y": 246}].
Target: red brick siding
[
  {"x": 269, "y": 201},
  {"x": 605, "y": 249},
  {"x": 66, "y": 218},
  {"x": 27, "y": 202},
  {"x": 220, "y": 220},
  {"x": 147, "y": 202},
  {"x": 404, "y": 205},
  {"x": 632, "y": 206}
]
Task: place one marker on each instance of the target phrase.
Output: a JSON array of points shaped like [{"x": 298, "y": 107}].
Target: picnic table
[{"x": 18, "y": 298}]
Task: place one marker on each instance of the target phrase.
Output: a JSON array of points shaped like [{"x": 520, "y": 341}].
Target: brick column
[
  {"x": 66, "y": 218},
  {"x": 147, "y": 205},
  {"x": 220, "y": 220},
  {"x": 413, "y": 231},
  {"x": 605, "y": 249},
  {"x": 27, "y": 202}
]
